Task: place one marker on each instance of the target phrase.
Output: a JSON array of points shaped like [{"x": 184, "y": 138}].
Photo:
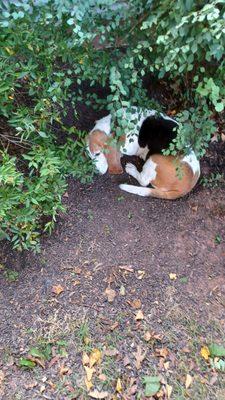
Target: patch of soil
[{"x": 110, "y": 239}]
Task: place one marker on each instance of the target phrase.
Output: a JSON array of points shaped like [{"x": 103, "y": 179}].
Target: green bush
[{"x": 47, "y": 47}]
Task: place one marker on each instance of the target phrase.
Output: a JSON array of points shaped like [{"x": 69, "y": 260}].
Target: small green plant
[
  {"x": 213, "y": 180},
  {"x": 11, "y": 275},
  {"x": 218, "y": 239}
]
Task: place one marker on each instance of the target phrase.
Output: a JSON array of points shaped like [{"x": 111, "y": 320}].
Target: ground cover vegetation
[{"x": 50, "y": 48}]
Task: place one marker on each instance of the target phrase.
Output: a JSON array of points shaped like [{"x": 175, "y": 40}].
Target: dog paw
[{"x": 130, "y": 169}]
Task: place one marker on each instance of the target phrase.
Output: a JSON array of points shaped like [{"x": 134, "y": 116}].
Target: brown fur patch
[
  {"x": 168, "y": 184},
  {"x": 98, "y": 142}
]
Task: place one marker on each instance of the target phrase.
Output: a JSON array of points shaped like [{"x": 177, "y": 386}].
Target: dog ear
[{"x": 113, "y": 158}]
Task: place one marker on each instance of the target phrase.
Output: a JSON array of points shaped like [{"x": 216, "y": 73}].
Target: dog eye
[{"x": 97, "y": 154}]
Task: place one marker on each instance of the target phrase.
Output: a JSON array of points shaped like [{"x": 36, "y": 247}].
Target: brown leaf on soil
[
  {"x": 173, "y": 276},
  {"x": 89, "y": 372},
  {"x": 98, "y": 395},
  {"x": 37, "y": 361},
  {"x": 42, "y": 388},
  {"x": 88, "y": 384},
  {"x": 53, "y": 361},
  {"x": 85, "y": 359},
  {"x": 127, "y": 268},
  {"x": 119, "y": 386},
  {"x": 2, "y": 377},
  {"x": 77, "y": 270},
  {"x": 139, "y": 356},
  {"x": 188, "y": 381},
  {"x": 140, "y": 274},
  {"x": 147, "y": 336},
  {"x": 95, "y": 357},
  {"x": 111, "y": 294},
  {"x": 139, "y": 315},
  {"x": 63, "y": 370},
  {"x": 114, "y": 326},
  {"x": 30, "y": 385},
  {"x": 122, "y": 290},
  {"x": 152, "y": 336},
  {"x": 102, "y": 377},
  {"x": 136, "y": 303},
  {"x": 213, "y": 379},
  {"x": 126, "y": 361},
  {"x": 164, "y": 352},
  {"x": 205, "y": 353},
  {"x": 57, "y": 289},
  {"x": 169, "y": 390},
  {"x": 111, "y": 352}
]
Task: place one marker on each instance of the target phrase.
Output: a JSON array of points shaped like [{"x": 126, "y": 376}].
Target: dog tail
[{"x": 158, "y": 193}]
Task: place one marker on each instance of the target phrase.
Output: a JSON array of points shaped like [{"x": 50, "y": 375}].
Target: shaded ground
[{"x": 111, "y": 257}]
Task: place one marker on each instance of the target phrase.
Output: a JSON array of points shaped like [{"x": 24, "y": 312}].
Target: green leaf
[
  {"x": 24, "y": 362},
  {"x": 219, "y": 107},
  {"x": 152, "y": 385},
  {"x": 34, "y": 352},
  {"x": 42, "y": 134},
  {"x": 216, "y": 350},
  {"x": 70, "y": 21}
]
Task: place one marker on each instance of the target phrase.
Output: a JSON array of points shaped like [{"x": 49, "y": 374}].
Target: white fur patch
[
  {"x": 103, "y": 124},
  {"x": 147, "y": 174},
  {"x": 149, "y": 170},
  {"x": 101, "y": 163},
  {"x": 141, "y": 191},
  {"x": 193, "y": 162}
]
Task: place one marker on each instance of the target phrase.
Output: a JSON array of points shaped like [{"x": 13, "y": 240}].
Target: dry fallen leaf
[
  {"x": 114, "y": 326},
  {"x": 164, "y": 352},
  {"x": 139, "y": 356},
  {"x": 188, "y": 381},
  {"x": 205, "y": 353},
  {"x": 102, "y": 377},
  {"x": 136, "y": 303},
  {"x": 127, "y": 268},
  {"x": 2, "y": 377},
  {"x": 95, "y": 357},
  {"x": 126, "y": 361},
  {"x": 139, "y": 316},
  {"x": 223, "y": 137},
  {"x": 89, "y": 372},
  {"x": 29, "y": 385},
  {"x": 98, "y": 395},
  {"x": 140, "y": 274},
  {"x": 77, "y": 270},
  {"x": 111, "y": 294},
  {"x": 111, "y": 352},
  {"x": 147, "y": 336},
  {"x": 88, "y": 384},
  {"x": 63, "y": 370},
  {"x": 42, "y": 388},
  {"x": 172, "y": 276},
  {"x": 213, "y": 379},
  {"x": 169, "y": 390},
  {"x": 119, "y": 385},
  {"x": 85, "y": 359},
  {"x": 122, "y": 291},
  {"x": 166, "y": 365},
  {"x": 57, "y": 289}
]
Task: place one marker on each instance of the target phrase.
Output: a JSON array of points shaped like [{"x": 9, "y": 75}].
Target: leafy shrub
[{"x": 50, "y": 47}]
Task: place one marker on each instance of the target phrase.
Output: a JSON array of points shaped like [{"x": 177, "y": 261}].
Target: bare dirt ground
[{"x": 125, "y": 287}]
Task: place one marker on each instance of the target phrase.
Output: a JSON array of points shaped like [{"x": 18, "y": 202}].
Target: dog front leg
[{"x": 141, "y": 177}]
